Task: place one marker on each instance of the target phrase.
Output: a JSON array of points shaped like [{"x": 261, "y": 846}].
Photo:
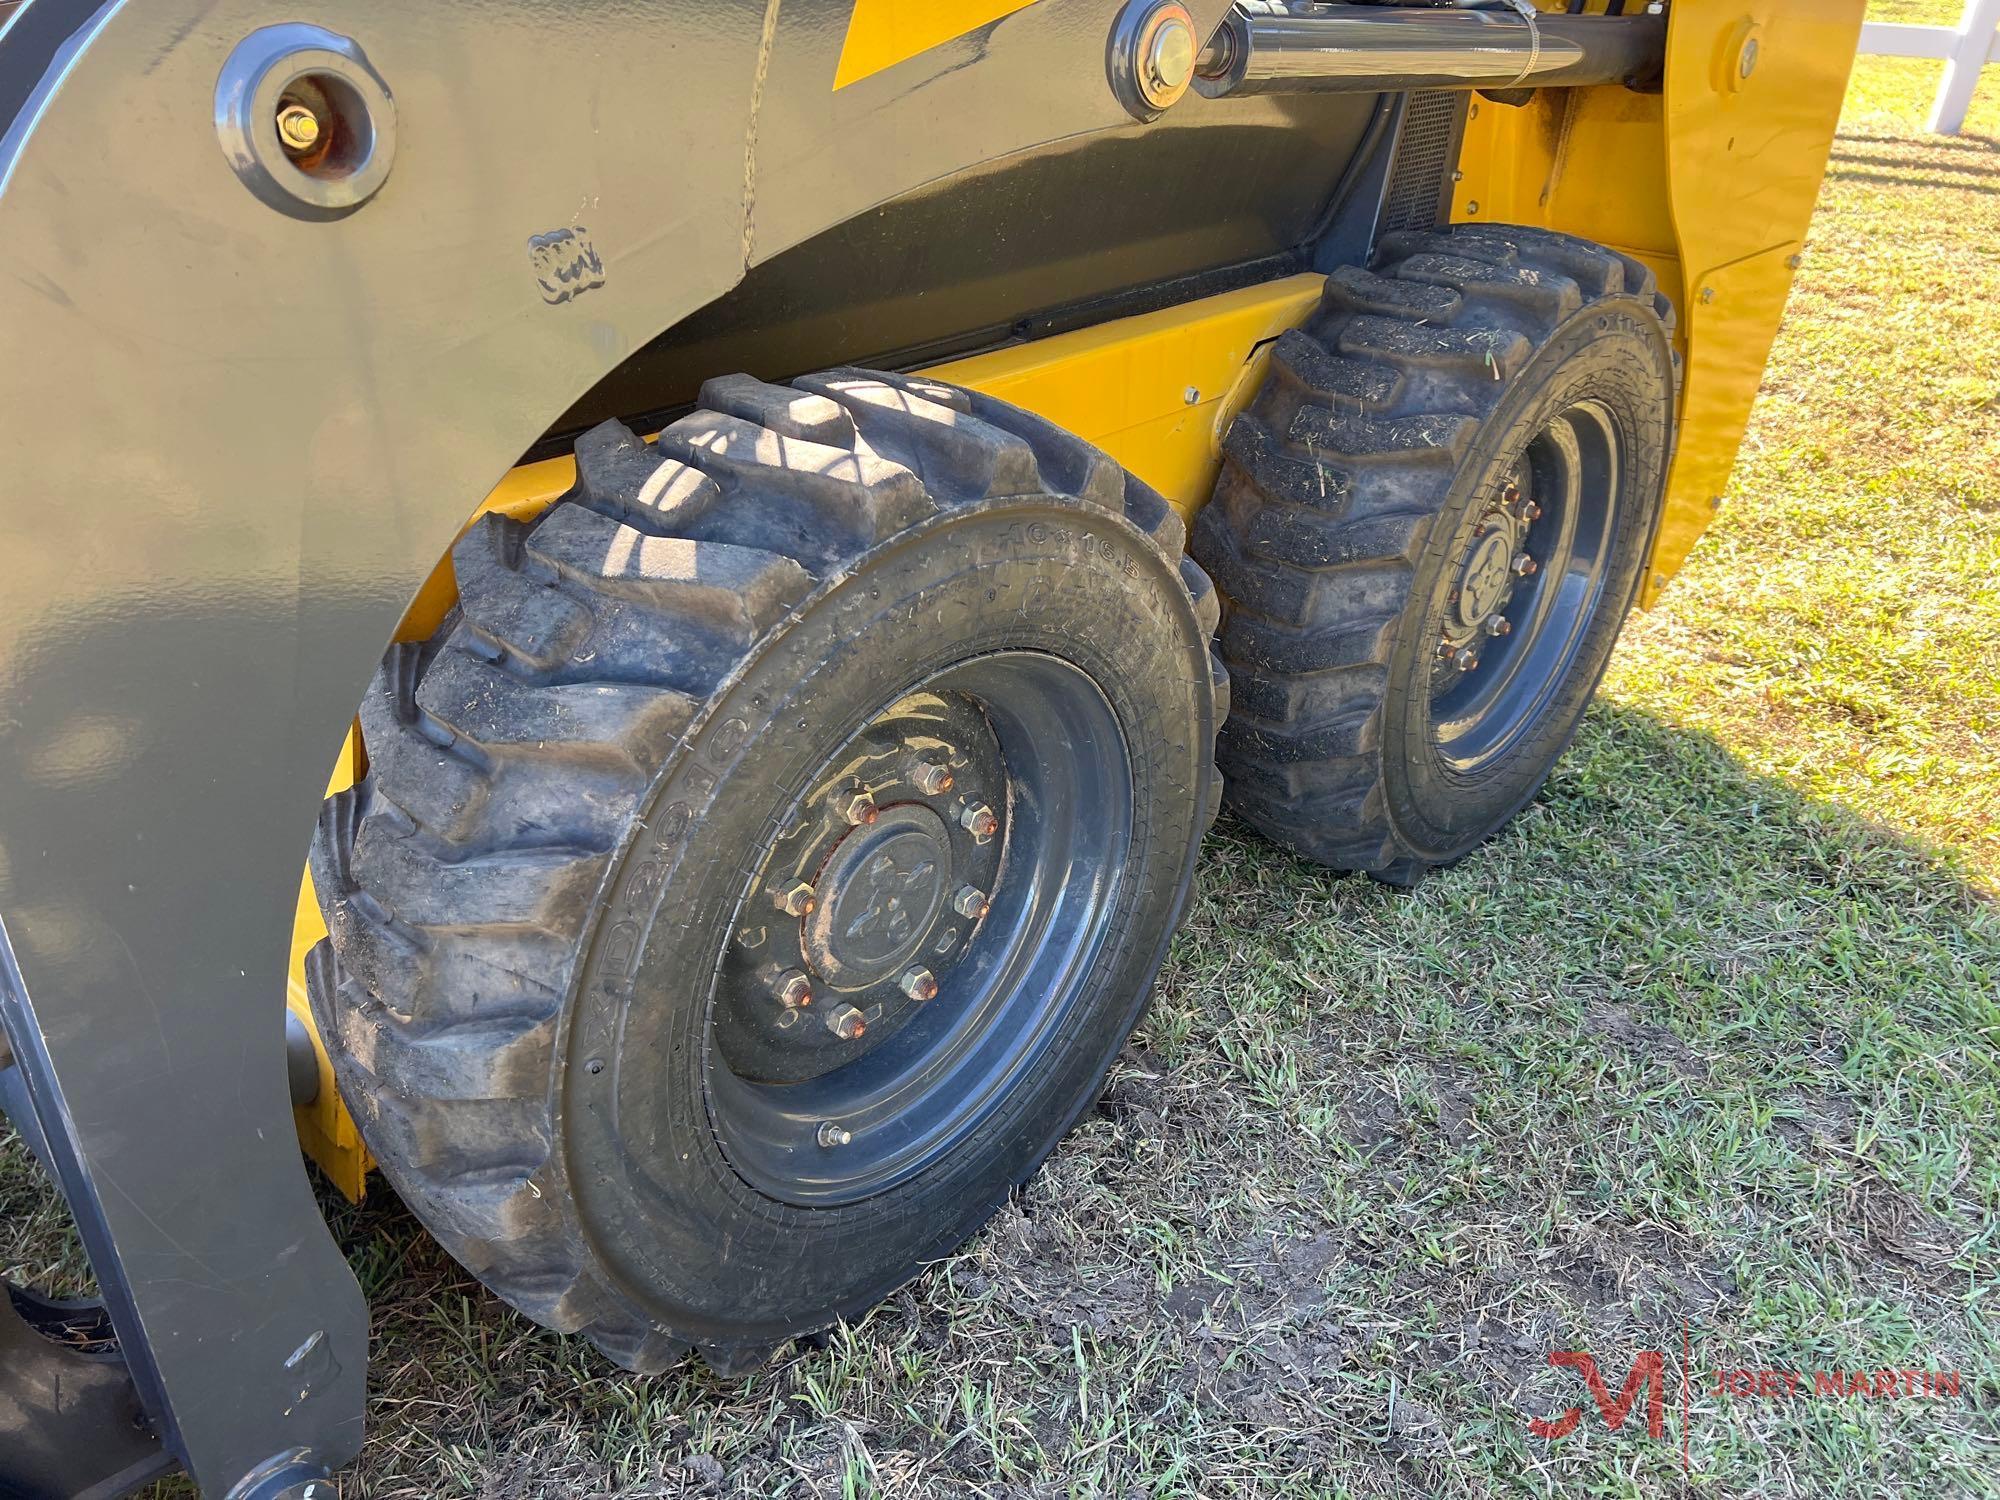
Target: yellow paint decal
[{"x": 882, "y": 33}]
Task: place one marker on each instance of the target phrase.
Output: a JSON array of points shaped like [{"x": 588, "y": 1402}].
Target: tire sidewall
[
  {"x": 1614, "y": 352},
  {"x": 656, "y": 1203}
]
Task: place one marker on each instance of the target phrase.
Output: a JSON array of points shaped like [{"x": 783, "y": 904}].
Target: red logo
[
  {"x": 1648, "y": 1373},
  {"x": 1647, "y": 1380}
]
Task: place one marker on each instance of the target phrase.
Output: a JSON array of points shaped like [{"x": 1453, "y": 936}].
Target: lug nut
[
  {"x": 794, "y": 989},
  {"x": 846, "y": 1023},
  {"x": 970, "y": 902},
  {"x": 931, "y": 779},
  {"x": 1499, "y": 625},
  {"x": 1525, "y": 565},
  {"x": 831, "y": 1135},
  {"x": 298, "y": 128},
  {"x": 858, "y": 808},
  {"x": 796, "y": 900},
  {"x": 1466, "y": 659},
  {"x": 979, "y": 821},
  {"x": 1511, "y": 493},
  {"x": 1531, "y": 512},
  {"x": 919, "y": 983}
]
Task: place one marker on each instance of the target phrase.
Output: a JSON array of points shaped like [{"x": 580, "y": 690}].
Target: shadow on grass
[
  {"x": 1681, "y": 1049},
  {"x": 1968, "y": 141},
  {"x": 1920, "y": 177}
]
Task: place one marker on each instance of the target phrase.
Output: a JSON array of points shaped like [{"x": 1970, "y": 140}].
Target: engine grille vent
[{"x": 1416, "y": 198}]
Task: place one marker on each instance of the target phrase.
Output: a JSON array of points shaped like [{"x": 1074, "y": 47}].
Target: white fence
[{"x": 1964, "y": 50}]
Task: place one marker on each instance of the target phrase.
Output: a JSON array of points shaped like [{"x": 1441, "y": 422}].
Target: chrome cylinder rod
[{"x": 1272, "y": 47}]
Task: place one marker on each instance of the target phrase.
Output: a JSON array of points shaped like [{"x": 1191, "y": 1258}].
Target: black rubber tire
[
  {"x": 1352, "y": 482},
  {"x": 560, "y": 784}
]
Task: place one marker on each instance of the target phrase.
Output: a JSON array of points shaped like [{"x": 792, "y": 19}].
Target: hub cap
[
  {"x": 1533, "y": 566},
  {"x": 918, "y": 927}
]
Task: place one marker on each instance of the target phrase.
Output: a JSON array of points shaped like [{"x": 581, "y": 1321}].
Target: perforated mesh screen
[{"x": 1423, "y": 160}]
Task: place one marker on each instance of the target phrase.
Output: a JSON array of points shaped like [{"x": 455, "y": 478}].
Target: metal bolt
[
  {"x": 858, "y": 808},
  {"x": 970, "y": 902},
  {"x": 1510, "y": 494},
  {"x": 979, "y": 821},
  {"x": 831, "y": 1135},
  {"x": 1170, "y": 56},
  {"x": 931, "y": 779},
  {"x": 846, "y": 1022},
  {"x": 919, "y": 983},
  {"x": 1531, "y": 511},
  {"x": 1472, "y": 206},
  {"x": 1466, "y": 659},
  {"x": 298, "y": 128},
  {"x": 1445, "y": 650},
  {"x": 1191, "y": 395},
  {"x": 1498, "y": 625},
  {"x": 1525, "y": 565},
  {"x": 796, "y": 900},
  {"x": 1747, "y": 63},
  {"x": 794, "y": 989},
  {"x": 1708, "y": 294}
]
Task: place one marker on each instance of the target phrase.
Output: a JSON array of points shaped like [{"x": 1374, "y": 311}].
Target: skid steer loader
[{"x": 933, "y": 455}]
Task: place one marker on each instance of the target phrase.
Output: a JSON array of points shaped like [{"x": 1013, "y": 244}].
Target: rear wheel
[
  {"x": 1428, "y": 530},
  {"x": 755, "y": 878}
]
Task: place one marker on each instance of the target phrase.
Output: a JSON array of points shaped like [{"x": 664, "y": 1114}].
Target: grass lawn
[{"x": 1705, "y": 1043}]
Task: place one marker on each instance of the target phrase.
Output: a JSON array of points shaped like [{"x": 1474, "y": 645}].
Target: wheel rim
[
  {"x": 1516, "y": 610},
  {"x": 868, "y": 1081}
]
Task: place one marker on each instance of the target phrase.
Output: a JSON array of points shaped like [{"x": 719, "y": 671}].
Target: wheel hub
[
  {"x": 1497, "y": 560},
  {"x": 919, "y": 926},
  {"x": 855, "y": 927},
  {"x": 881, "y": 893},
  {"x": 1486, "y": 577},
  {"x": 1535, "y": 558}
]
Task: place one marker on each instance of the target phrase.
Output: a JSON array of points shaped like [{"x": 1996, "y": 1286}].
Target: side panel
[{"x": 1745, "y": 158}]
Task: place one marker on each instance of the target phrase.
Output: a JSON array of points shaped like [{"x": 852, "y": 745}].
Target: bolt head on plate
[
  {"x": 858, "y": 808},
  {"x": 979, "y": 821},
  {"x": 1531, "y": 511},
  {"x": 796, "y": 900},
  {"x": 846, "y": 1022},
  {"x": 794, "y": 989},
  {"x": 1465, "y": 659},
  {"x": 970, "y": 902},
  {"x": 931, "y": 779},
  {"x": 919, "y": 983},
  {"x": 1498, "y": 625},
  {"x": 831, "y": 1135},
  {"x": 1525, "y": 565}
]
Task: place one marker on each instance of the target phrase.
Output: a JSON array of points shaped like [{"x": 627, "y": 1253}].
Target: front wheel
[
  {"x": 1429, "y": 528},
  {"x": 755, "y": 879}
]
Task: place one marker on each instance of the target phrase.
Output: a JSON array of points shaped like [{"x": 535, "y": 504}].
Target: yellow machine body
[{"x": 1711, "y": 182}]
